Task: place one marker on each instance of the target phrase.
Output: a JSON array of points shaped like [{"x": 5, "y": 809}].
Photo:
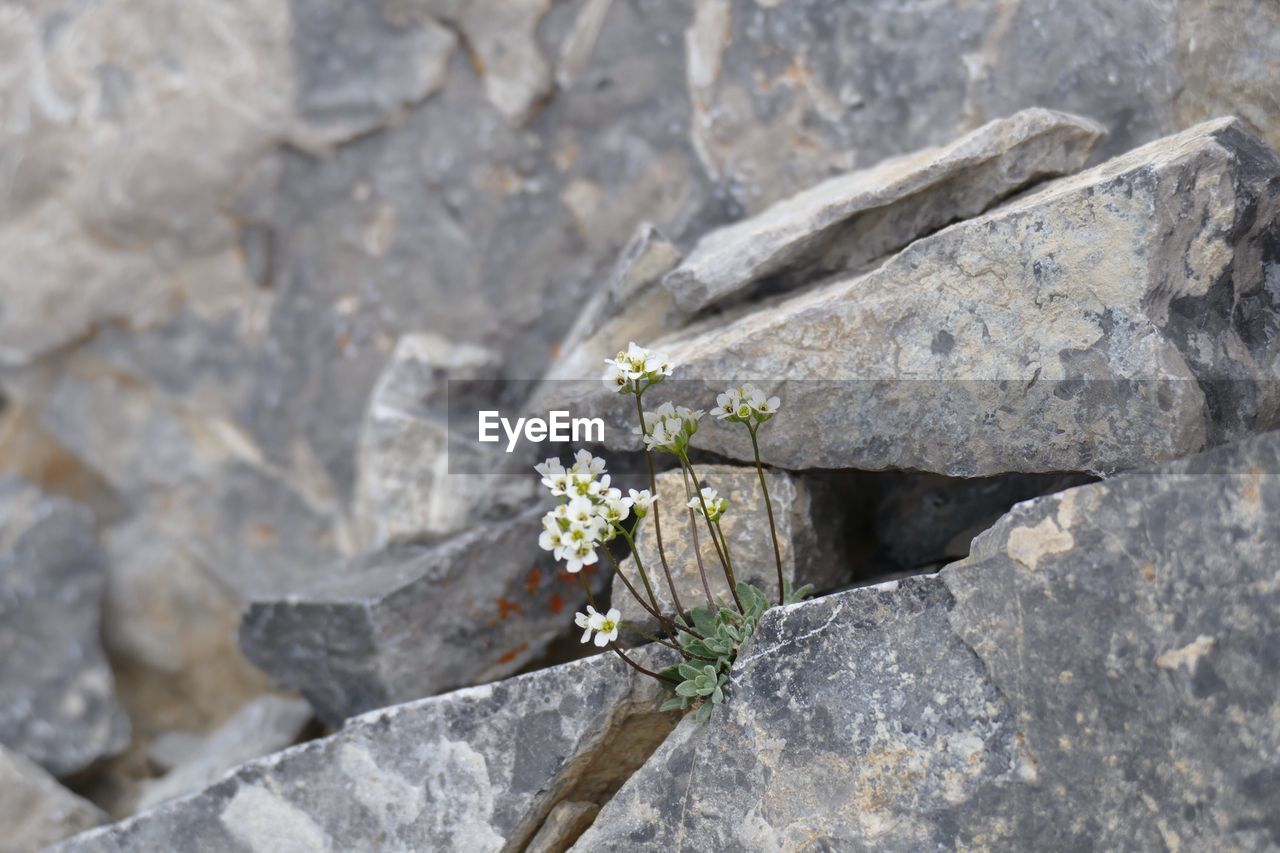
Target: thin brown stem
[
  {"x": 724, "y": 557},
  {"x": 683, "y": 651},
  {"x": 586, "y": 587},
  {"x": 638, "y": 668},
  {"x": 697, "y": 547},
  {"x": 667, "y": 623},
  {"x": 773, "y": 528},
  {"x": 657, "y": 519}
]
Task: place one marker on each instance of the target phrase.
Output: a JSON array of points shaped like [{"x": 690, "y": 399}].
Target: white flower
[
  {"x": 552, "y": 536},
  {"x": 615, "y": 510},
  {"x": 715, "y": 504},
  {"x": 746, "y": 404},
  {"x": 605, "y": 625},
  {"x": 641, "y": 501},
  {"x": 585, "y": 463},
  {"x": 554, "y": 476},
  {"x": 581, "y": 553},
  {"x": 669, "y": 427},
  {"x": 635, "y": 369}
]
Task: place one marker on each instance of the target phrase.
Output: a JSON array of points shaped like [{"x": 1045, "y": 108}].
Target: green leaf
[
  {"x": 672, "y": 672},
  {"x": 675, "y": 703},
  {"x": 717, "y": 696},
  {"x": 686, "y": 688},
  {"x": 709, "y": 671},
  {"x": 704, "y": 620},
  {"x": 688, "y": 670},
  {"x": 704, "y": 713}
]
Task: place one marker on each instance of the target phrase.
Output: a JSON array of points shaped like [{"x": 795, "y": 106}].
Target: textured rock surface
[
  {"x": 414, "y": 620},
  {"x": 923, "y": 519},
  {"x": 851, "y": 220},
  {"x": 59, "y": 706},
  {"x": 1116, "y": 318},
  {"x": 808, "y": 538},
  {"x": 35, "y": 810},
  {"x": 407, "y": 485},
  {"x": 266, "y": 725},
  {"x": 1068, "y": 685},
  {"x": 474, "y": 770},
  {"x": 852, "y": 83}
]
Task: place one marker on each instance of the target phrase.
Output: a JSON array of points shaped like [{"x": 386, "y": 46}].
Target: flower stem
[
  {"x": 638, "y": 668},
  {"x": 670, "y": 626},
  {"x": 683, "y": 651},
  {"x": 644, "y": 576},
  {"x": 768, "y": 505},
  {"x": 724, "y": 557},
  {"x": 657, "y": 521},
  {"x": 697, "y": 548}
]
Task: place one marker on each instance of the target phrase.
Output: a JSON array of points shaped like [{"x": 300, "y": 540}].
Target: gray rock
[
  {"x": 266, "y": 725},
  {"x": 407, "y": 484},
  {"x": 361, "y": 65},
  {"x": 566, "y": 822},
  {"x": 808, "y": 539},
  {"x": 850, "y": 84},
  {"x": 1064, "y": 687},
  {"x": 474, "y": 770},
  {"x": 1110, "y": 320},
  {"x": 633, "y": 306},
  {"x": 35, "y": 810},
  {"x": 414, "y": 620},
  {"x": 60, "y": 706},
  {"x": 851, "y": 220},
  {"x": 923, "y": 519}
]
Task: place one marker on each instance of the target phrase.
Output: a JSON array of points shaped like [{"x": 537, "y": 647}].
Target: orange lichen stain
[
  {"x": 263, "y": 535},
  {"x": 534, "y": 580},
  {"x": 513, "y": 654},
  {"x": 556, "y": 604},
  {"x": 507, "y": 608},
  {"x": 1148, "y": 572}
]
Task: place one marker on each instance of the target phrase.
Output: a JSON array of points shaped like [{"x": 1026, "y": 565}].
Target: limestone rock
[
  {"x": 633, "y": 306},
  {"x": 361, "y": 65},
  {"x": 851, "y": 220},
  {"x": 414, "y": 620},
  {"x": 808, "y": 539},
  {"x": 60, "y": 707},
  {"x": 478, "y": 769},
  {"x": 35, "y": 810},
  {"x": 923, "y": 519},
  {"x": 1063, "y": 687},
  {"x": 850, "y": 84},
  {"x": 265, "y": 725},
  {"x": 1109, "y": 320},
  {"x": 407, "y": 483}
]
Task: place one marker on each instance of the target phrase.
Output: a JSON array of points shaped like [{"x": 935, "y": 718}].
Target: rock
[
  {"x": 1110, "y": 320},
  {"x": 35, "y": 810},
  {"x": 633, "y": 306},
  {"x": 360, "y": 66},
  {"x": 854, "y": 219},
  {"x": 478, "y": 769},
  {"x": 60, "y": 708},
  {"x": 1064, "y": 686},
  {"x": 407, "y": 484},
  {"x": 414, "y": 620},
  {"x": 501, "y": 35},
  {"x": 850, "y": 84},
  {"x": 109, "y": 218},
  {"x": 923, "y": 519},
  {"x": 566, "y": 822},
  {"x": 266, "y": 725},
  {"x": 809, "y": 542}
]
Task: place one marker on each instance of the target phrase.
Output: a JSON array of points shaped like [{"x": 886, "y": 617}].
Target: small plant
[{"x": 592, "y": 513}]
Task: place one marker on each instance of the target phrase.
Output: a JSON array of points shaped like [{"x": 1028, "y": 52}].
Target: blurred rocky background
[{"x": 246, "y": 247}]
